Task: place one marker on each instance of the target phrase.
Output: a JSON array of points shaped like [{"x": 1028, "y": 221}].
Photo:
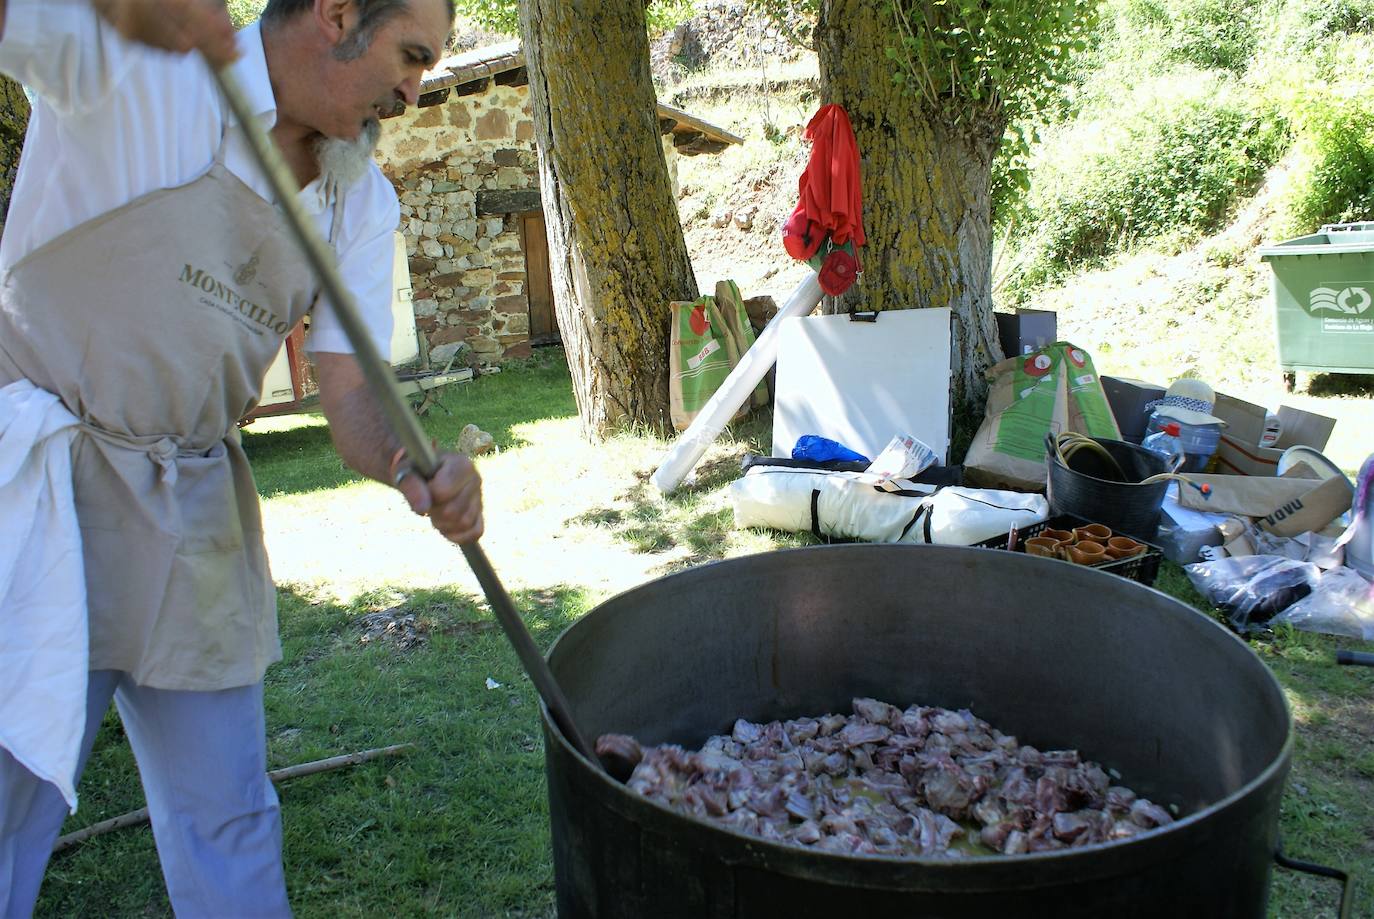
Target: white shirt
[
  {"x": 43, "y": 632},
  {"x": 112, "y": 121}
]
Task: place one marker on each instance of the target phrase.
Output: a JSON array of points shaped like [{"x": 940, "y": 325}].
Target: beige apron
[{"x": 155, "y": 324}]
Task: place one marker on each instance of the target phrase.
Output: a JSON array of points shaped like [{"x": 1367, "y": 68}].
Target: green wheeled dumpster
[{"x": 1324, "y": 300}]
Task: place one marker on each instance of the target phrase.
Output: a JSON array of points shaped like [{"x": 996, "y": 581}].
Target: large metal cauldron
[{"x": 1058, "y": 655}]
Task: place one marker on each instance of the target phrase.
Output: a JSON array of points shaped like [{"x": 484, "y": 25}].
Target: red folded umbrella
[{"x": 831, "y": 198}]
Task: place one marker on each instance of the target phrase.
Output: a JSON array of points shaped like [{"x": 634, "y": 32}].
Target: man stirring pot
[{"x": 148, "y": 282}]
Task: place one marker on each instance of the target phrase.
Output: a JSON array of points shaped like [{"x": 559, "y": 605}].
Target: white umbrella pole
[{"x": 721, "y": 407}]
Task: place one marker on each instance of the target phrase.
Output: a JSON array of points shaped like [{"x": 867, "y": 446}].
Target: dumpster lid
[{"x": 1332, "y": 239}]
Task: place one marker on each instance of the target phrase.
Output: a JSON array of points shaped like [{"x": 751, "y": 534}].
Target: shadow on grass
[
  {"x": 1341, "y": 384},
  {"x": 302, "y": 460},
  {"x": 447, "y": 612},
  {"x": 691, "y": 518}
]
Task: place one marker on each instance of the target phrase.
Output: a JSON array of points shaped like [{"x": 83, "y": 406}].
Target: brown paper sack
[
  {"x": 1052, "y": 390},
  {"x": 1282, "y": 506}
]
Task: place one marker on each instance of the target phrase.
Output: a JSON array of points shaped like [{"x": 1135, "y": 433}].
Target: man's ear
[{"x": 336, "y": 19}]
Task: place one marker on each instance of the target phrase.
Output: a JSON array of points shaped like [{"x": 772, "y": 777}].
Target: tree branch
[{"x": 140, "y": 816}]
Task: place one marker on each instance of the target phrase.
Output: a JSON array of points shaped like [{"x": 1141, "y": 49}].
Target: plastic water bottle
[
  {"x": 1199, "y": 440},
  {"x": 1168, "y": 443}
]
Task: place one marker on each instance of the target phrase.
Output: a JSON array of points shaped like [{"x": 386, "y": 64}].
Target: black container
[
  {"x": 1059, "y": 655},
  {"x": 1143, "y": 568},
  {"x": 1088, "y": 487}
]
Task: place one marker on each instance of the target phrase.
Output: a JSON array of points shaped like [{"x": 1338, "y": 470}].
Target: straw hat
[{"x": 1189, "y": 401}]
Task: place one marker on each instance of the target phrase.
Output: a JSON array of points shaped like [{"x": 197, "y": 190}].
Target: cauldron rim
[{"x": 1097, "y": 858}]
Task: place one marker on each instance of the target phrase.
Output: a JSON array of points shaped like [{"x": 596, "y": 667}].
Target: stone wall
[{"x": 467, "y": 271}]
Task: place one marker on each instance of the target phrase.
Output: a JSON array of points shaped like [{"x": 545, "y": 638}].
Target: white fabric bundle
[{"x": 851, "y": 505}]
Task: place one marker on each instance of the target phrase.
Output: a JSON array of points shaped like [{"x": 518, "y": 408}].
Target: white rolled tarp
[
  {"x": 850, "y": 505},
  {"x": 721, "y": 407}
]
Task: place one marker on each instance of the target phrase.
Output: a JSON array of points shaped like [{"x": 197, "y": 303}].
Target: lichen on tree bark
[
  {"x": 14, "y": 119},
  {"x": 616, "y": 250},
  {"x": 927, "y": 208}
]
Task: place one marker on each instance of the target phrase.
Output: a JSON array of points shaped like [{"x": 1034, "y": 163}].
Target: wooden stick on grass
[{"x": 134, "y": 818}]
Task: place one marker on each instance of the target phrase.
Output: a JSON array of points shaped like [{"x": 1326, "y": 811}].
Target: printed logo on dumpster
[{"x": 1342, "y": 309}]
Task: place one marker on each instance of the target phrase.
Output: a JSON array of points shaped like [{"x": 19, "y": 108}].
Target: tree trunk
[
  {"x": 927, "y": 209},
  {"x": 616, "y": 251},
  {"x": 14, "y": 118}
]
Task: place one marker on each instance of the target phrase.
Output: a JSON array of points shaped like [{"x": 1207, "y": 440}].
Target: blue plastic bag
[{"x": 823, "y": 450}]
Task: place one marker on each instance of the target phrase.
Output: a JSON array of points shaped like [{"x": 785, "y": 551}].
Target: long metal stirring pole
[{"x": 393, "y": 404}]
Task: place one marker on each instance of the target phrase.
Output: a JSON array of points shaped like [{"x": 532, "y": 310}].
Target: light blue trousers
[{"x": 203, "y": 760}]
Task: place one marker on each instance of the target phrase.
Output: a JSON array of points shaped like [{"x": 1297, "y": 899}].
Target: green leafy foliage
[
  {"x": 1173, "y": 157},
  {"x": 1177, "y": 111},
  {"x": 501, "y": 17},
  {"x": 243, "y": 12},
  {"x": 1337, "y": 151},
  {"x": 1004, "y": 64},
  {"x": 966, "y": 57},
  {"x": 1299, "y": 28},
  {"x": 1209, "y": 34},
  {"x": 1331, "y": 105},
  {"x": 504, "y": 15}
]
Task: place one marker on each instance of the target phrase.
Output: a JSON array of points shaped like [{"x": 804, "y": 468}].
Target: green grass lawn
[{"x": 459, "y": 826}]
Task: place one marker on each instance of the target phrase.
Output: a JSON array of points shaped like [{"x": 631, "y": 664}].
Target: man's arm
[
  {"x": 73, "y": 52},
  {"x": 452, "y": 499},
  {"x": 173, "y": 25}
]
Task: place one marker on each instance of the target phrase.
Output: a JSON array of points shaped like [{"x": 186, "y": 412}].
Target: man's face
[{"x": 363, "y": 85}]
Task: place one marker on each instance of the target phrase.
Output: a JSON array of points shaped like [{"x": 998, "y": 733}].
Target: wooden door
[{"x": 538, "y": 282}]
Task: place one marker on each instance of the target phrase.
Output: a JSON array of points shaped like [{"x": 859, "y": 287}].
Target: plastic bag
[
  {"x": 823, "y": 449},
  {"x": 1342, "y": 603},
  {"x": 904, "y": 457},
  {"x": 1309, "y": 547},
  {"x": 1252, "y": 589}
]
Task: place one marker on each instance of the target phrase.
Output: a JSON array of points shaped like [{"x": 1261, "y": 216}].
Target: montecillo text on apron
[{"x": 235, "y": 301}]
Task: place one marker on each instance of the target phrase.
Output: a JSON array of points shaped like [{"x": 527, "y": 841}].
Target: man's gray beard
[{"x": 345, "y": 161}]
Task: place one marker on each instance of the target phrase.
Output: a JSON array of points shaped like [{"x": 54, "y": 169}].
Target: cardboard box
[
  {"x": 1026, "y": 330},
  {"x": 1128, "y": 399},
  {"x": 1244, "y": 420},
  {"x": 1239, "y": 452},
  {"x": 1313, "y": 511}
]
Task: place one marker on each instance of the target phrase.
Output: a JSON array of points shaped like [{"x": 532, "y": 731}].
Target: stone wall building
[{"x": 465, "y": 166}]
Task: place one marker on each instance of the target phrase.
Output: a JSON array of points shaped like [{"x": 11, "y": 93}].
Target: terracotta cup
[
  {"x": 1059, "y": 536},
  {"x": 1042, "y": 546},
  {"x": 1093, "y": 532},
  {"x": 1119, "y": 547},
  {"x": 1087, "y": 552}
]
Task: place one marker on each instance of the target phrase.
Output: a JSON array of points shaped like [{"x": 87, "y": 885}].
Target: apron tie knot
[
  {"x": 164, "y": 453},
  {"x": 163, "y": 449}
]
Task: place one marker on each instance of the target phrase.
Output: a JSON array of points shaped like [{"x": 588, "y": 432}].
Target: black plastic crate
[{"x": 1140, "y": 568}]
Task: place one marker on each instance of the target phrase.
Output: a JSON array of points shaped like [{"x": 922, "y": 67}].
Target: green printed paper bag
[
  {"x": 699, "y": 358},
  {"x": 1053, "y": 390},
  {"x": 736, "y": 317}
]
